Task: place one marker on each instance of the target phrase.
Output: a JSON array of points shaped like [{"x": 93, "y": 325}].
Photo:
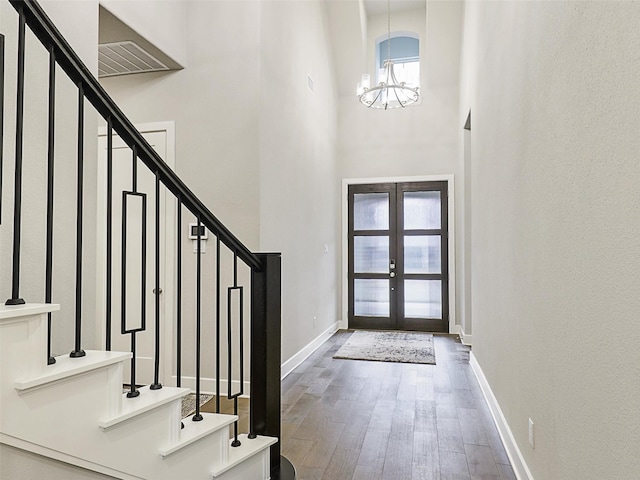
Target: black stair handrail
[{"x": 77, "y": 71}]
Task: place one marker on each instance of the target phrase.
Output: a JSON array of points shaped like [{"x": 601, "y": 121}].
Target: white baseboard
[
  {"x": 518, "y": 463},
  {"x": 464, "y": 338},
  {"x": 302, "y": 355},
  {"x": 208, "y": 385}
]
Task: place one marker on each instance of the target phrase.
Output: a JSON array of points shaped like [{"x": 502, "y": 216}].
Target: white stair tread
[
  {"x": 193, "y": 431},
  {"x": 13, "y": 311},
  {"x": 67, "y": 367},
  {"x": 146, "y": 401},
  {"x": 237, "y": 455}
]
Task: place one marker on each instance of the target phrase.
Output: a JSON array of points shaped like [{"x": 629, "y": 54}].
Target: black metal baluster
[
  {"x": 134, "y": 169},
  {"x": 17, "y": 192},
  {"x": 230, "y": 395},
  {"x": 156, "y": 385},
  {"x": 217, "y": 324},
  {"x": 133, "y": 391},
  {"x": 197, "y": 416},
  {"x": 109, "y": 230},
  {"x": 1, "y": 116},
  {"x": 179, "y": 298},
  {"x": 50, "y": 185},
  {"x": 77, "y": 351}
]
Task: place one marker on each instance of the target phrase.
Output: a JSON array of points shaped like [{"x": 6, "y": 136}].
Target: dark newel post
[
  {"x": 266, "y": 318},
  {"x": 17, "y": 203}
]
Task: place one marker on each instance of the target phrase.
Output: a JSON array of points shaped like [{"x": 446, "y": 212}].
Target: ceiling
[{"x": 377, "y": 7}]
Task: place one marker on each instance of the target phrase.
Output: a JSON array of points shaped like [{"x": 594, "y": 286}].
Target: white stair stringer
[
  {"x": 244, "y": 461},
  {"x": 75, "y": 411}
]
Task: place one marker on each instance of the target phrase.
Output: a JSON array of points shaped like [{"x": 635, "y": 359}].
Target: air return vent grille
[{"x": 123, "y": 58}]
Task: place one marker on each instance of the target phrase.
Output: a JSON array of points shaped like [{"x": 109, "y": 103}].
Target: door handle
[
  {"x": 155, "y": 292},
  {"x": 392, "y": 274}
]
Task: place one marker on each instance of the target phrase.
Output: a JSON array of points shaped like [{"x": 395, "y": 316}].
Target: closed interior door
[{"x": 398, "y": 268}]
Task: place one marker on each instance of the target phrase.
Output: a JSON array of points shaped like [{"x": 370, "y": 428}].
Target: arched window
[{"x": 405, "y": 53}]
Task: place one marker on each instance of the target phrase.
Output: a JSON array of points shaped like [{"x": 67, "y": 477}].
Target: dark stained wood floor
[{"x": 357, "y": 420}]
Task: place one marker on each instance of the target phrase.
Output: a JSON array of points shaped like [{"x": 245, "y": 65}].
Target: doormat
[
  {"x": 400, "y": 347},
  {"x": 189, "y": 403}
]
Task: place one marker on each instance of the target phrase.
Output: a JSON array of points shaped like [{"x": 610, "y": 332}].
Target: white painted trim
[
  {"x": 518, "y": 463},
  {"x": 168, "y": 279},
  {"x": 464, "y": 338},
  {"x": 26, "y": 310},
  {"x": 63, "y": 457},
  {"x": 449, "y": 178},
  {"x": 208, "y": 385},
  {"x": 302, "y": 355}
]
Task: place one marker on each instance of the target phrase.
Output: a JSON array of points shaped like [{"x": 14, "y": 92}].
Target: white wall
[
  {"x": 81, "y": 30},
  {"x": 299, "y": 187},
  {"x": 215, "y": 104},
  {"x": 255, "y": 145},
  {"x": 553, "y": 90},
  {"x": 422, "y": 139}
]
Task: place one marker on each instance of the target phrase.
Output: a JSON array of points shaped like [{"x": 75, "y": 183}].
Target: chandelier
[{"x": 389, "y": 93}]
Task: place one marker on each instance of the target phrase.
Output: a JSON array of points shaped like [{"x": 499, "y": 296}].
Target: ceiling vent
[{"x": 124, "y": 58}]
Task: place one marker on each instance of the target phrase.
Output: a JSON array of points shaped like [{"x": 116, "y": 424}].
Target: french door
[{"x": 398, "y": 256}]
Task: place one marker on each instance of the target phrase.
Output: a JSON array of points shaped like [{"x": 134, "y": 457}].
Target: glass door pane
[
  {"x": 371, "y": 298},
  {"x": 422, "y": 210},
  {"x": 371, "y": 254},
  {"x": 371, "y": 211},
  {"x": 422, "y": 254},
  {"x": 423, "y": 299}
]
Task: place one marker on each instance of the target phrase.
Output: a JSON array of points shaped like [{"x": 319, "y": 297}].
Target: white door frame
[
  {"x": 166, "y": 364},
  {"x": 449, "y": 178}
]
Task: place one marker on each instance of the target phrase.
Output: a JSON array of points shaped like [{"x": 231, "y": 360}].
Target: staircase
[
  {"x": 72, "y": 407},
  {"x": 75, "y": 411}
]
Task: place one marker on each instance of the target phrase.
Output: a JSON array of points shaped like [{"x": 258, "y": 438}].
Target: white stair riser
[
  {"x": 196, "y": 460},
  {"x": 61, "y": 418},
  {"x": 23, "y": 347}
]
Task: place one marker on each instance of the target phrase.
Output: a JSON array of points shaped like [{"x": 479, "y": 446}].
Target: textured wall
[
  {"x": 299, "y": 187},
  {"x": 255, "y": 144},
  {"x": 419, "y": 140},
  {"x": 81, "y": 31},
  {"x": 214, "y": 103},
  {"x": 553, "y": 90}
]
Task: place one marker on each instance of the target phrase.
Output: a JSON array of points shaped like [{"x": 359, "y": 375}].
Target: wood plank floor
[{"x": 358, "y": 420}]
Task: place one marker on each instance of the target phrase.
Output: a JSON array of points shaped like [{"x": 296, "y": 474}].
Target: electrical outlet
[{"x": 532, "y": 437}]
